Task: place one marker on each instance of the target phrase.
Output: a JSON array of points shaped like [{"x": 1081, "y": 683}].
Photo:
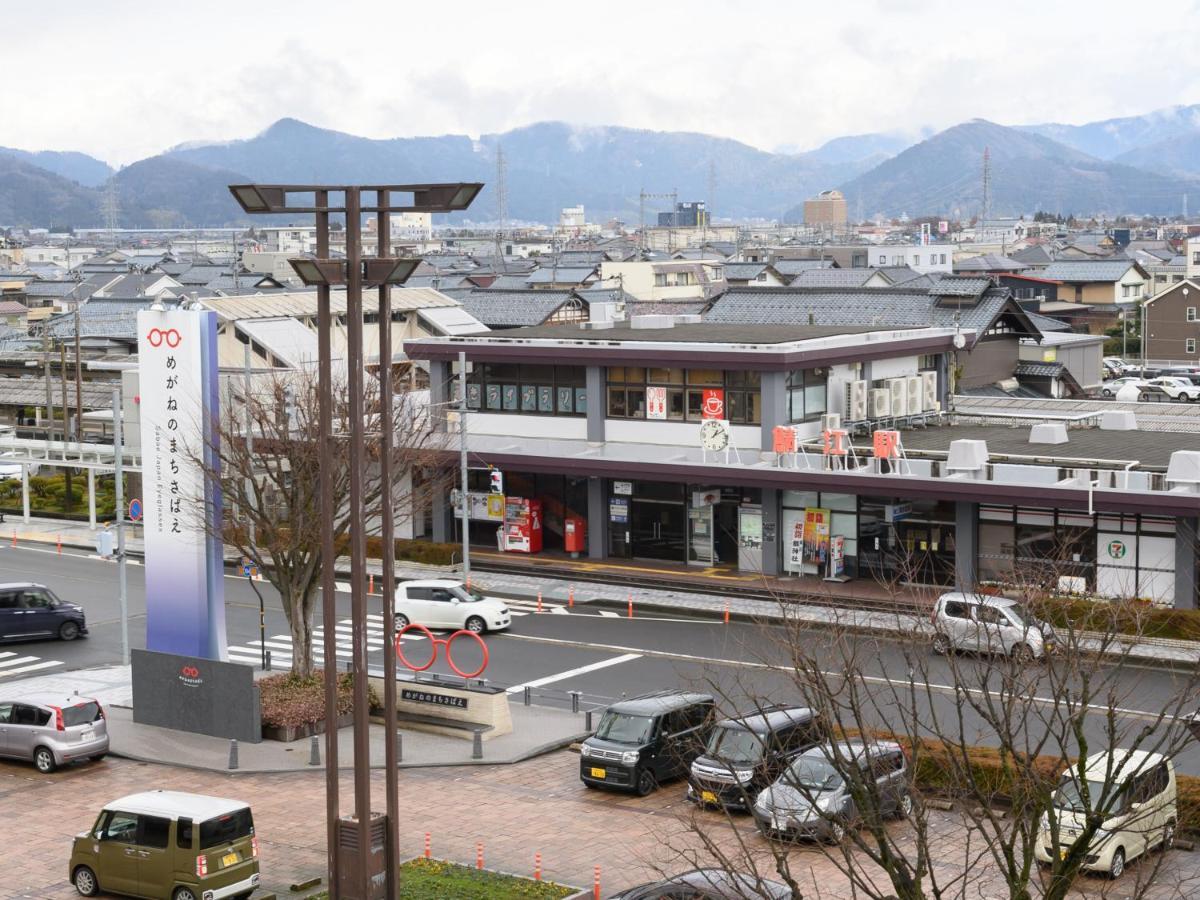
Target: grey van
[
  {"x": 980, "y": 623},
  {"x": 52, "y": 729}
]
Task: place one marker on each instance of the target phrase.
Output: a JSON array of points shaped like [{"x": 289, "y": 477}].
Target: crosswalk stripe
[
  {"x": 609, "y": 614},
  {"x": 45, "y": 664},
  {"x": 20, "y": 660},
  {"x": 6, "y": 654},
  {"x": 561, "y": 610}
]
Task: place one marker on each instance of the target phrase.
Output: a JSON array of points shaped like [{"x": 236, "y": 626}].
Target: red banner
[{"x": 713, "y": 406}]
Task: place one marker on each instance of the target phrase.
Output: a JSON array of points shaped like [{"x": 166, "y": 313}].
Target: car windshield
[
  {"x": 625, "y": 729},
  {"x": 1070, "y": 796},
  {"x": 1018, "y": 614},
  {"x": 734, "y": 744},
  {"x": 813, "y": 773},
  {"x": 226, "y": 829},
  {"x": 81, "y": 714},
  {"x": 468, "y": 595}
]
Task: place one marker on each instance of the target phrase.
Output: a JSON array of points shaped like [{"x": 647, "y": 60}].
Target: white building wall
[
  {"x": 747, "y": 438},
  {"x": 517, "y": 426}
]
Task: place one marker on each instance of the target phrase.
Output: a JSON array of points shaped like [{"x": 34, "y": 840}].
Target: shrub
[{"x": 290, "y": 700}]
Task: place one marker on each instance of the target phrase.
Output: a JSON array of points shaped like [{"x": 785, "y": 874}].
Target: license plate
[
  {"x": 708, "y": 796},
  {"x": 87, "y": 735},
  {"x": 229, "y": 859},
  {"x": 597, "y": 773}
]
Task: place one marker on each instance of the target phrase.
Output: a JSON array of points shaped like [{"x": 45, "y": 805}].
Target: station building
[{"x": 815, "y": 452}]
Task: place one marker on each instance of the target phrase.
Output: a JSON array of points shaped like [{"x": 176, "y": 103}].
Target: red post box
[{"x": 574, "y": 536}]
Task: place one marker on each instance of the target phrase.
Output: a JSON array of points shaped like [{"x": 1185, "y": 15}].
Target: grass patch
[{"x": 434, "y": 879}]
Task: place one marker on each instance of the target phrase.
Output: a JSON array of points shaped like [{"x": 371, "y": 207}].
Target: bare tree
[{"x": 267, "y": 448}]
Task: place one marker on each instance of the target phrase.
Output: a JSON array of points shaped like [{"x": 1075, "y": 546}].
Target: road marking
[
  {"x": 19, "y": 661},
  {"x": 609, "y": 614},
  {"x": 47, "y": 664},
  {"x": 571, "y": 673}
]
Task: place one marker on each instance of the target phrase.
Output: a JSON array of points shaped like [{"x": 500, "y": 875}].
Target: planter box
[{"x": 289, "y": 733}]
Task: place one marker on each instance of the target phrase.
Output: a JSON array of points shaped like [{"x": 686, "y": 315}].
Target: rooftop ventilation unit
[
  {"x": 651, "y": 321},
  {"x": 880, "y": 404},
  {"x": 1048, "y": 433},
  {"x": 915, "y": 392},
  {"x": 1118, "y": 420},
  {"x": 899, "y": 390},
  {"x": 856, "y": 401},
  {"x": 929, "y": 391},
  {"x": 968, "y": 457}
]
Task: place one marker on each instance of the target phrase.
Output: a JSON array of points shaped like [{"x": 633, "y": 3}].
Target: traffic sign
[{"x": 135, "y": 509}]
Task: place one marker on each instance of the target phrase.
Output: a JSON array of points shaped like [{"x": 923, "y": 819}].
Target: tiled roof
[
  {"x": 1037, "y": 255},
  {"x": 832, "y": 278},
  {"x": 12, "y": 308},
  {"x": 898, "y": 275},
  {"x": 1087, "y": 270},
  {"x": 1038, "y": 369},
  {"x": 796, "y": 266},
  {"x": 512, "y": 309},
  {"x": 1045, "y": 323},
  {"x": 990, "y": 262},
  {"x": 960, "y": 286},
  {"x": 49, "y": 288},
  {"x": 101, "y": 318},
  {"x": 560, "y": 275},
  {"x": 743, "y": 271}
]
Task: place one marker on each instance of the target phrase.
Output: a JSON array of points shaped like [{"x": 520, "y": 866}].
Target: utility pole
[
  {"x": 249, "y": 432},
  {"x": 78, "y": 386},
  {"x": 118, "y": 474},
  {"x": 62, "y": 371},
  {"x": 49, "y": 387},
  {"x": 464, "y": 509}
]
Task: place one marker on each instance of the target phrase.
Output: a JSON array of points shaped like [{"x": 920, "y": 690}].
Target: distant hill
[
  {"x": 1110, "y": 138},
  {"x": 162, "y": 192},
  {"x": 87, "y": 170},
  {"x": 31, "y": 195},
  {"x": 1177, "y": 156},
  {"x": 858, "y": 148},
  {"x": 943, "y": 176}
]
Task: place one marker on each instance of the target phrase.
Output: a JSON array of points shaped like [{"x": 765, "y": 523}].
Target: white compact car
[
  {"x": 442, "y": 603},
  {"x": 1177, "y": 388}
]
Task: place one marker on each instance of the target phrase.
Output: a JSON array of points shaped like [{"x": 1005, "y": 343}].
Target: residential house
[
  {"x": 757, "y": 274},
  {"x": 520, "y": 308},
  {"x": 1171, "y": 323},
  {"x": 667, "y": 280},
  {"x": 1099, "y": 282}
]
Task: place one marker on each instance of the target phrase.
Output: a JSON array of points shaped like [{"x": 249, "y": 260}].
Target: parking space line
[{"x": 571, "y": 673}]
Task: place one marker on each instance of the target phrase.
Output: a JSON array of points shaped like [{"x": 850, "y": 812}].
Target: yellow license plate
[
  {"x": 229, "y": 859},
  {"x": 597, "y": 773},
  {"x": 708, "y": 796}
]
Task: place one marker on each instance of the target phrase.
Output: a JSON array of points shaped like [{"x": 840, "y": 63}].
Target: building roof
[
  {"x": 833, "y": 278},
  {"x": 102, "y": 317},
  {"x": 1076, "y": 271},
  {"x": 792, "y": 267},
  {"x": 290, "y": 341},
  {"x": 513, "y": 309},
  {"x": 695, "y": 332},
  {"x": 450, "y": 320},
  {"x": 49, "y": 288},
  {"x": 303, "y": 304},
  {"x": 899, "y": 274},
  {"x": 13, "y": 308},
  {"x": 745, "y": 271},
  {"x": 1026, "y": 369},
  {"x": 561, "y": 275},
  {"x": 990, "y": 262},
  {"x": 1036, "y": 255}
]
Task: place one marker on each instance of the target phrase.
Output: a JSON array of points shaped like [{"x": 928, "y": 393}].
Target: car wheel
[
  {"x": 1023, "y": 654},
  {"x": 401, "y": 621},
  {"x": 645, "y": 783},
  {"x": 183, "y": 893},
  {"x": 1168, "y": 839},
  {"x": 85, "y": 882},
  {"x": 476, "y": 624},
  {"x": 1107, "y": 393},
  {"x": 44, "y": 760},
  {"x": 904, "y": 806},
  {"x": 941, "y": 644},
  {"x": 1117, "y": 867},
  {"x": 68, "y": 631}
]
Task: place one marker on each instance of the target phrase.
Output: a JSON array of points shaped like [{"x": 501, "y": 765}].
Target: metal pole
[
  {"x": 391, "y": 746},
  {"x": 328, "y": 551},
  {"x": 78, "y": 388},
  {"x": 464, "y": 507},
  {"x": 358, "y": 545},
  {"x": 119, "y": 475},
  {"x": 249, "y": 434},
  {"x": 62, "y": 373},
  {"x": 262, "y": 618},
  {"x": 49, "y": 390}
]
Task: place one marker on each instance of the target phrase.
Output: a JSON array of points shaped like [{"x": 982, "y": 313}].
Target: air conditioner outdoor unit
[
  {"x": 914, "y": 394},
  {"x": 898, "y": 387},
  {"x": 856, "y": 401},
  {"x": 880, "y": 406},
  {"x": 929, "y": 391},
  {"x": 831, "y": 422}
]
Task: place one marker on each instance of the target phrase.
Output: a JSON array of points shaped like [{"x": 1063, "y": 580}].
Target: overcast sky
[{"x": 123, "y": 80}]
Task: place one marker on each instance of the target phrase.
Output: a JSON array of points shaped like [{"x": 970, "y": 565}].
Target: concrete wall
[{"x": 993, "y": 359}]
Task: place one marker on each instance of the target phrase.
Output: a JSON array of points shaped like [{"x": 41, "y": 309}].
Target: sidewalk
[
  {"x": 536, "y": 730},
  {"x": 803, "y": 606}
]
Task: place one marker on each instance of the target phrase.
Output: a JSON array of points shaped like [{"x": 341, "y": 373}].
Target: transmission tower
[
  {"x": 987, "y": 184},
  {"x": 501, "y": 190},
  {"x": 110, "y": 208},
  {"x": 712, "y": 195}
]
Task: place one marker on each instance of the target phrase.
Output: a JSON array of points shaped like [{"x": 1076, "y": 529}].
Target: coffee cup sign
[{"x": 713, "y": 404}]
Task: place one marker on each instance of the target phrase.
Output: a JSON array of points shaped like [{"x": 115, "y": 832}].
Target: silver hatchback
[
  {"x": 980, "y": 623},
  {"x": 52, "y": 729}
]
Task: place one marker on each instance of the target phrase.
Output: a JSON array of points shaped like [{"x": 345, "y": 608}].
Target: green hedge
[
  {"x": 426, "y": 552},
  {"x": 435, "y": 879},
  {"x": 1120, "y": 617}
]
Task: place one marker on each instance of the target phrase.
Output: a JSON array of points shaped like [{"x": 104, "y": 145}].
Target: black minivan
[
  {"x": 747, "y": 754},
  {"x": 29, "y": 611},
  {"x": 643, "y": 742}
]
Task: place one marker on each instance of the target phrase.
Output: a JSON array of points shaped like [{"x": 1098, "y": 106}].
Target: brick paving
[{"x": 536, "y": 806}]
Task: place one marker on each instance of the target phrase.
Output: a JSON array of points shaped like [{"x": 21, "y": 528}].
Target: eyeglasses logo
[
  {"x": 190, "y": 676},
  {"x": 159, "y": 336}
]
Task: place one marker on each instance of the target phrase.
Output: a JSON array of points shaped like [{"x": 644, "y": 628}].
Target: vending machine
[{"x": 522, "y": 525}]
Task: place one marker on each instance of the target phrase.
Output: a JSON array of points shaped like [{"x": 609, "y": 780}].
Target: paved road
[{"x": 601, "y": 654}]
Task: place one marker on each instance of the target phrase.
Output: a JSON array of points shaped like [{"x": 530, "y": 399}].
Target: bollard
[
  {"x": 233, "y": 756},
  {"x": 314, "y": 751},
  {"x": 268, "y": 656},
  {"x": 428, "y": 846},
  {"x": 399, "y": 746},
  {"x": 349, "y": 665},
  {"x": 527, "y": 691},
  {"x": 630, "y": 605},
  {"x": 477, "y": 745},
  {"x": 59, "y": 543},
  {"x": 726, "y": 612},
  {"x": 587, "y": 720},
  {"x": 537, "y": 867},
  {"x": 539, "y": 609},
  {"x": 571, "y": 597},
  {"x": 574, "y": 701},
  {"x": 479, "y": 855},
  {"x": 371, "y": 584},
  {"x": 596, "y": 883}
]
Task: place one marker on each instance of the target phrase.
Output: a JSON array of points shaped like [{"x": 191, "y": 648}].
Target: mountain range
[{"x": 1142, "y": 164}]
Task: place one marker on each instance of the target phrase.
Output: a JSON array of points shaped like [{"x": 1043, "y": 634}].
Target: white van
[{"x": 1133, "y": 790}]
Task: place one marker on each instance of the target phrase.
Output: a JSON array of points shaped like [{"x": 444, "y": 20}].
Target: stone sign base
[{"x": 439, "y": 708}]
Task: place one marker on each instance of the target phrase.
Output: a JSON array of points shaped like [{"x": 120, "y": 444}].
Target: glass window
[
  {"x": 580, "y": 400},
  {"x": 566, "y": 397},
  {"x": 528, "y": 398},
  {"x": 156, "y": 832},
  {"x": 675, "y": 409},
  {"x": 665, "y": 376},
  {"x": 705, "y": 376},
  {"x": 226, "y": 829},
  {"x": 545, "y": 398},
  {"x": 120, "y": 827},
  {"x": 616, "y": 402},
  {"x": 636, "y": 399},
  {"x": 183, "y": 833}
]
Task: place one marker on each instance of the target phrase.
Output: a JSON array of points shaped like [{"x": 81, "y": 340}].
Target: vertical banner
[
  {"x": 712, "y": 403},
  {"x": 185, "y": 594},
  {"x": 656, "y": 402},
  {"x": 816, "y": 538}
]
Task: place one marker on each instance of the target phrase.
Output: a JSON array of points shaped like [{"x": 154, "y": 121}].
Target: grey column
[
  {"x": 770, "y": 525},
  {"x": 1186, "y": 528},
  {"x": 596, "y": 403},
  {"x": 439, "y": 393},
  {"x": 440, "y": 509},
  {"x": 966, "y": 544},
  {"x": 943, "y": 374},
  {"x": 597, "y": 517},
  {"x": 774, "y": 405}
]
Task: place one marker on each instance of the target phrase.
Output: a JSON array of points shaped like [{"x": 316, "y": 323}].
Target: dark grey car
[
  {"x": 813, "y": 799},
  {"x": 708, "y": 884},
  {"x": 31, "y": 611}
]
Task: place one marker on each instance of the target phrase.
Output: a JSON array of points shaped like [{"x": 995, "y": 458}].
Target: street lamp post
[{"x": 352, "y": 844}]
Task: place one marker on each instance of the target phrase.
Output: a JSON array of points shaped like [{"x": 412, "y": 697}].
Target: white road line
[
  {"x": 609, "y": 614},
  {"x": 560, "y": 610},
  {"x": 571, "y": 673},
  {"x": 33, "y": 668},
  {"x": 6, "y": 654},
  {"x": 21, "y": 660}
]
